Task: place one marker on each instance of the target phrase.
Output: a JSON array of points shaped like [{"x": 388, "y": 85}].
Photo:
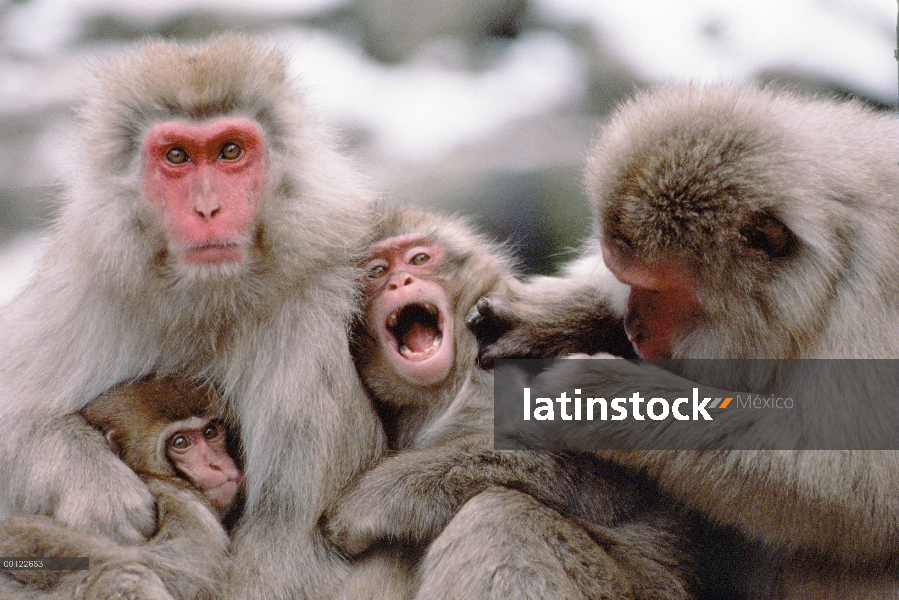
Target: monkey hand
[
  {"x": 33, "y": 537},
  {"x": 501, "y": 333},
  {"x": 116, "y": 572},
  {"x": 95, "y": 492},
  {"x": 512, "y": 324},
  {"x": 401, "y": 500},
  {"x": 122, "y": 508}
]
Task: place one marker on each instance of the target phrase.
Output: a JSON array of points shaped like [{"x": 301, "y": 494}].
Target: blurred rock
[
  {"x": 522, "y": 185},
  {"x": 32, "y": 142},
  {"x": 394, "y": 29},
  {"x": 481, "y": 107}
]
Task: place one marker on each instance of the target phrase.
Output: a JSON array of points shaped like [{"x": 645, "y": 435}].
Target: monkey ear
[
  {"x": 768, "y": 234},
  {"x": 113, "y": 438}
]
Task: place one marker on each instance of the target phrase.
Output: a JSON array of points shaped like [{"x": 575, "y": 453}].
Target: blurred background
[{"x": 480, "y": 107}]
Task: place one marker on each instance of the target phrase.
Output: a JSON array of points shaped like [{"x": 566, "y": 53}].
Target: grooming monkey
[
  {"x": 172, "y": 434},
  {"x": 210, "y": 228},
  {"x": 558, "y": 526},
  {"x": 746, "y": 223}
]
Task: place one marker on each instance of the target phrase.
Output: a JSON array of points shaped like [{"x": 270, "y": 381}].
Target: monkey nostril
[
  {"x": 634, "y": 327},
  {"x": 400, "y": 280},
  {"x": 207, "y": 214}
]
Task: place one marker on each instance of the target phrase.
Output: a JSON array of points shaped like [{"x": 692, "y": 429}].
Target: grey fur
[
  {"x": 685, "y": 172},
  {"x": 561, "y": 526},
  {"x": 105, "y": 306},
  {"x": 187, "y": 558}
]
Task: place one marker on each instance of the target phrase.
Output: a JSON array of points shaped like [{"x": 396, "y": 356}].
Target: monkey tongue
[{"x": 418, "y": 341}]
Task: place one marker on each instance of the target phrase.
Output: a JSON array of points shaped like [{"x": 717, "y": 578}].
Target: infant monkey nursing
[{"x": 172, "y": 433}]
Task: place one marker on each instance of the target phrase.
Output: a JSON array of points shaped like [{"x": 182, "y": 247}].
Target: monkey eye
[
  {"x": 212, "y": 430},
  {"x": 230, "y": 151},
  {"x": 177, "y": 156},
  {"x": 764, "y": 232},
  {"x": 419, "y": 259},
  {"x": 180, "y": 442},
  {"x": 377, "y": 271}
]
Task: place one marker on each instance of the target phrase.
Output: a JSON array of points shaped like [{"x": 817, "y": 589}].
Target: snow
[
  {"x": 847, "y": 41},
  {"x": 17, "y": 259},
  {"x": 417, "y": 111}
]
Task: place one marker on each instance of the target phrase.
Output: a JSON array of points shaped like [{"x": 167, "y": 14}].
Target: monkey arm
[
  {"x": 189, "y": 553},
  {"x": 842, "y": 503},
  {"x": 65, "y": 457},
  {"x": 190, "y": 541},
  {"x": 546, "y": 317},
  {"x": 410, "y": 497},
  {"x": 51, "y": 351},
  {"x": 505, "y": 544},
  {"x": 115, "y": 571}
]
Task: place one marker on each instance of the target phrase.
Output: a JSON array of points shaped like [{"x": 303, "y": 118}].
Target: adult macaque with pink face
[
  {"x": 206, "y": 180},
  {"x": 211, "y": 228},
  {"x": 743, "y": 223}
]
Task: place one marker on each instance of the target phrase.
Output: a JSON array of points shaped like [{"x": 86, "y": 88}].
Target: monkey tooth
[{"x": 412, "y": 355}]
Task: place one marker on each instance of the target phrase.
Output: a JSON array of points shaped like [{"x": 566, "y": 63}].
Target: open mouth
[{"x": 416, "y": 328}]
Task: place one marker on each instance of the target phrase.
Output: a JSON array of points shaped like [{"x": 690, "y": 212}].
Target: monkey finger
[
  {"x": 349, "y": 539},
  {"x": 490, "y": 318}
]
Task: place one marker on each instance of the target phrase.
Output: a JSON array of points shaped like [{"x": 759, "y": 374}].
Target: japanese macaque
[
  {"x": 173, "y": 435},
  {"x": 748, "y": 223},
  {"x": 172, "y": 429},
  {"x": 211, "y": 228},
  {"x": 503, "y": 524}
]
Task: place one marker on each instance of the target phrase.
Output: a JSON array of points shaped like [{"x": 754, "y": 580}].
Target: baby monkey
[
  {"x": 172, "y": 433},
  {"x": 171, "y": 429}
]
